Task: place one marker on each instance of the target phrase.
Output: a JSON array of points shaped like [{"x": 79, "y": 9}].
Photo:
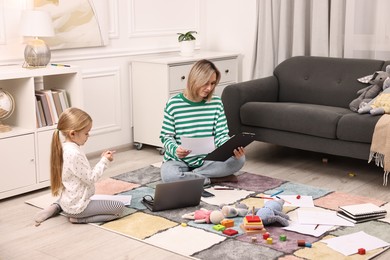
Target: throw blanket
[{"x": 380, "y": 145}]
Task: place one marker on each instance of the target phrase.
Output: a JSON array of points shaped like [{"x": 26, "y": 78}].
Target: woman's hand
[
  {"x": 181, "y": 152},
  {"x": 239, "y": 152},
  {"x": 109, "y": 155}
]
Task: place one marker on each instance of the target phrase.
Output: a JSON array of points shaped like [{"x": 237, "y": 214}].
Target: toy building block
[
  {"x": 282, "y": 237},
  {"x": 227, "y": 223},
  {"x": 269, "y": 240},
  {"x": 301, "y": 242},
  {"x": 252, "y": 218},
  {"x": 230, "y": 232},
  {"x": 219, "y": 227},
  {"x": 254, "y": 239},
  {"x": 266, "y": 235},
  {"x": 361, "y": 251},
  {"x": 307, "y": 244},
  {"x": 252, "y": 231}
]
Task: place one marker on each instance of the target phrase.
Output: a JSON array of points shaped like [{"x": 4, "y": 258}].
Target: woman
[{"x": 197, "y": 113}]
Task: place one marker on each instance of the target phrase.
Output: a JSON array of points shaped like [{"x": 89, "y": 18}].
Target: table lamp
[{"x": 36, "y": 24}]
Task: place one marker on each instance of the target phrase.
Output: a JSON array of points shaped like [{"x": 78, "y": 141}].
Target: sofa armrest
[{"x": 236, "y": 95}]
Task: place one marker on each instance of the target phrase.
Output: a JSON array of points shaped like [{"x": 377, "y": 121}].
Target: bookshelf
[{"x": 25, "y": 150}]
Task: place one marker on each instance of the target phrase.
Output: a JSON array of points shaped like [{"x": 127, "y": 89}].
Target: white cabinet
[
  {"x": 157, "y": 77},
  {"x": 25, "y": 150}
]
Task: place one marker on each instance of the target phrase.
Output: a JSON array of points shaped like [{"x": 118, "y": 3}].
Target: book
[
  {"x": 45, "y": 105},
  {"x": 57, "y": 102},
  {"x": 63, "y": 98},
  {"x": 361, "y": 219},
  {"x": 52, "y": 107},
  {"x": 363, "y": 210}
]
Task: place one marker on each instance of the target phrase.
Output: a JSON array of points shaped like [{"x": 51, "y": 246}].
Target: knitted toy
[
  {"x": 272, "y": 212},
  {"x": 370, "y": 92},
  {"x": 205, "y": 216},
  {"x": 380, "y": 104},
  {"x": 239, "y": 210}
]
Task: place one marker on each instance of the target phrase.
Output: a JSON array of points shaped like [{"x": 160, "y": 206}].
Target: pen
[
  {"x": 316, "y": 226},
  {"x": 277, "y": 193},
  {"x": 283, "y": 199},
  {"x": 59, "y": 65}
]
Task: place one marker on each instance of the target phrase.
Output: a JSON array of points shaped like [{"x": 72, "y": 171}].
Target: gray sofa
[{"x": 305, "y": 105}]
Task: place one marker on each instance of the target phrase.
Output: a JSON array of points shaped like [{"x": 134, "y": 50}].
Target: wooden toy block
[
  {"x": 266, "y": 235},
  {"x": 230, "y": 232},
  {"x": 282, "y": 237},
  {"x": 227, "y": 223},
  {"x": 301, "y": 242},
  {"x": 251, "y": 218},
  {"x": 361, "y": 251},
  {"x": 269, "y": 240},
  {"x": 219, "y": 227}
]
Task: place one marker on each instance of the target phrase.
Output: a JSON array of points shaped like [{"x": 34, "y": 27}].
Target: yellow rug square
[{"x": 139, "y": 225}]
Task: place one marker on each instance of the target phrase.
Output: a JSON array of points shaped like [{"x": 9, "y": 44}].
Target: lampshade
[{"x": 36, "y": 24}]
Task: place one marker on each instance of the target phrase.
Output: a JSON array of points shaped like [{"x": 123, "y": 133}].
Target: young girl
[
  {"x": 72, "y": 176},
  {"x": 197, "y": 113}
]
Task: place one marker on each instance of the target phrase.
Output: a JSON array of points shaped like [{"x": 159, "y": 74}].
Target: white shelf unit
[
  {"x": 157, "y": 77},
  {"x": 25, "y": 150}
]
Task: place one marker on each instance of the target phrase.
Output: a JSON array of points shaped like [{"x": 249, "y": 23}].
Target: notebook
[
  {"x": 225, "y": 151},
  {"x": 365, "y": 211},
  {"x": 359, "y": 220},
  {"x": 175, "y": 195}
]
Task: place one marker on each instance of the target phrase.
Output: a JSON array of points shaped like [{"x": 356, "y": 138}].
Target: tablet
[{"x": 225, "y": 151}]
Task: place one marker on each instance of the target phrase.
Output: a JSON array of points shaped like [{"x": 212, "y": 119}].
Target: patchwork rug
[{"x": 165, "y": 230}]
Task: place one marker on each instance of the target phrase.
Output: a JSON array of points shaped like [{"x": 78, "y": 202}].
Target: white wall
[{"x": 136, "y": 27}]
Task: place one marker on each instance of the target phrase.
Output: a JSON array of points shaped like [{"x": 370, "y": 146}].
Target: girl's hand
[
  {"x": 239, "y": 152},
  {"x": 181, "y": 152},
  {"x": 109, "y": 155}
]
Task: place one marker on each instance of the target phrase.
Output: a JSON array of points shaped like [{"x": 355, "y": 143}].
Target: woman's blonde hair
[
  {"x": 71, "y": 119},
  {"x": 199, "y": 75}
]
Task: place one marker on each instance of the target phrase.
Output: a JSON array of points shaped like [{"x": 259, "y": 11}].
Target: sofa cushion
[
  {"x": 355, "y": 127},
  {"x": 315, "y": 120}
]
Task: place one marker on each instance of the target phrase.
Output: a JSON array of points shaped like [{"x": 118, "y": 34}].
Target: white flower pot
[{"x": 187, "y": 48}]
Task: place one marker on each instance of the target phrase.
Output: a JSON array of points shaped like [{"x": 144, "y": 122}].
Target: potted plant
[{"x": 187, "y": 43}]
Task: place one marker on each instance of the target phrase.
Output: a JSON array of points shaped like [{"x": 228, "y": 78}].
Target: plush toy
[
  {"x": 239, "y": 210},
  {"x": 380, "y": 104},
  {"x": 272, "y": 212},
  {"x": 370, "y": 92},
  {"x": 205, "y": 216}
]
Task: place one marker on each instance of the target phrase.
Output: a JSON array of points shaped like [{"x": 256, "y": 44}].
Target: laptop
[
  {"x": 175, "y": 195},
  {"x": 225, "y": 151}
]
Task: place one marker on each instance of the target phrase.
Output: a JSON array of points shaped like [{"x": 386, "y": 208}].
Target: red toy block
[
  {"x": 251, "y": 218},
  {"x": 301, "y": 242},
  {"x": 361, "y": 251},
  {"x": 266, "y": 235},
  {"x": 230, "y": 232}
]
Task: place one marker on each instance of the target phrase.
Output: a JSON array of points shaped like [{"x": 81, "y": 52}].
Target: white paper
[
  {"x": 198, "y": 145},
  {"x": 126, "y": 199},
  {"x": 349, "y": 244},
  {"x": 308, "y": 229},
  {"x": 292, "y": 201},
  {"x": 225, "y": 196},
  {"x": 316, "y": 216}
]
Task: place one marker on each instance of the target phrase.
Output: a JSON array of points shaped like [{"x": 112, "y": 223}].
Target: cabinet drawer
[
  {"x": 178, "y": 77},
  {"x": 228, "y": 69}
]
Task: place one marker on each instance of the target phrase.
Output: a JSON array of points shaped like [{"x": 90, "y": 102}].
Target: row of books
[{"x": 50, "y": 103}]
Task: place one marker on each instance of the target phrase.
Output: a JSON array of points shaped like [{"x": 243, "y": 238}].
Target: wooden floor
[{"x": 58, "y": 239}]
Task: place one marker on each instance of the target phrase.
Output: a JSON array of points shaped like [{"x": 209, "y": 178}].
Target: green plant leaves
[{"x": 188, "y": 36}]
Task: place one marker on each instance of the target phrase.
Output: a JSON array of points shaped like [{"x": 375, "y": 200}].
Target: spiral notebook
[{"x": 358, "y": 213}]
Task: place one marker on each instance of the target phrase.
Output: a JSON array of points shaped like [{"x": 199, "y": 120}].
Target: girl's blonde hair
[
  {"x": 71, "y": 119},
  {"x": 199, "y": 75}
]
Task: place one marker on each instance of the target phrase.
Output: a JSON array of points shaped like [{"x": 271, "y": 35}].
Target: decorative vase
[{"x": 187, "y": 48}]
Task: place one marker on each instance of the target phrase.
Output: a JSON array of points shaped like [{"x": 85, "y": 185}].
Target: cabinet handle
[
  {"x": 183, "y": 77},
  {"x": 227, "y": 71}
]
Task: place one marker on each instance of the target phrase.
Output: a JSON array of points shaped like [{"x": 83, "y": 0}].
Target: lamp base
[{"x": 37, "y": 53}]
